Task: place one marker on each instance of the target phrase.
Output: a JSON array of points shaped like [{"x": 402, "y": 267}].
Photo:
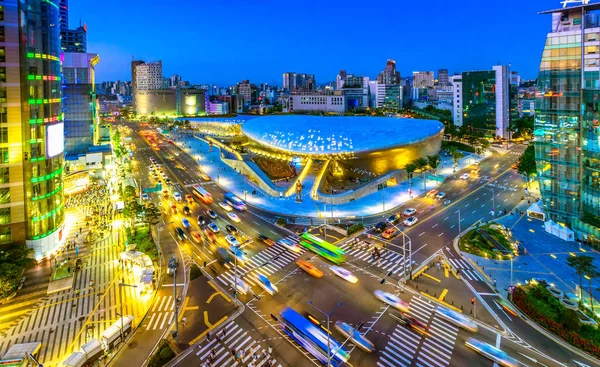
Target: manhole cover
[{"x": 132, "y": 344}]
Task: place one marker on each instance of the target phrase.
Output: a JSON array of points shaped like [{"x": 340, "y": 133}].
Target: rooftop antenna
[{"x": 567, "y": 2}]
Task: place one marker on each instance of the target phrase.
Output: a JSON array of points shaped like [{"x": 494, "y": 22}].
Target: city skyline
[{"x": 210, "y": 49}]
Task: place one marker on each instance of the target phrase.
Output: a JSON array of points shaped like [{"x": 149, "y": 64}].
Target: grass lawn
[
  {"x": 63, "y": 271},
  {"x": 474, "y": 243}
]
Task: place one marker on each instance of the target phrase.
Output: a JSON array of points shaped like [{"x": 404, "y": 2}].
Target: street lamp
[
  {"x": 173, "y": 267},
  {"x": 327, "y": 315},
  {"x": 121, "y": 285},
  {"x": 493, "y": 201},
  {"x": 405, "y": 241}
]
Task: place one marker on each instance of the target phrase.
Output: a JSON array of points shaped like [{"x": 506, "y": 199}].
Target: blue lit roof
[{"x": 302, "y": 134}]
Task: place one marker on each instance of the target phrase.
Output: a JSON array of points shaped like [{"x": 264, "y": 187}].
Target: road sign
[
  {"x": 435, "y": 178},
  {"x": 156, "y": 188}
]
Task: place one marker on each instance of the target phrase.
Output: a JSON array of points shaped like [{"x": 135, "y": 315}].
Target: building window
[
  {"x": 2, "y": 54},
  {"x": 2, "y": 75},
  {"x": 5, "y": 235},
  {"x": 1, "y": 12},
  {"x": 4, "y": 155},
  {"x": 4, "y": 175},
  {"x": 3, "y": 134},
  {"x": 2, "y": 34},
  {"x": 4, "y": 215},
  {"x": 4, "y": 195}
]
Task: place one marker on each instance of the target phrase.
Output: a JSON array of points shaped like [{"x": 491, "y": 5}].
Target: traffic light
[
  {"x": 382, "y": 281},
  {"x": 472, "y": 301}
]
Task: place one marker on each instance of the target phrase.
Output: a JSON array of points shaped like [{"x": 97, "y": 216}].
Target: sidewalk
[{"x": 376, "y": 203}]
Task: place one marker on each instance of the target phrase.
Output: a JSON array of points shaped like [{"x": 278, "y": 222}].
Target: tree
[
  {"x": 526, "y": 165},
  {"x": 13, "y": 260},
  {"x": 422, "y": 165},
  {"x": 129, "y": 193},
  {"x": 434, "y": 162},
  {"x": 592, "y": 274},
  {"x": 151, "y": 214},
  {"x": 456, "y": 155},
  {"x": 410, "y": 168},
  {"x": 583, "y": 265}
]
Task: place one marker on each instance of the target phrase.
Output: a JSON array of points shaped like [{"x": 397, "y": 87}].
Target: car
[
  {"x": 475, "y": 172},
  {"x": 354, "y": 336},
  {"x": 465, "y": 176},
  {"x": 343, "y": 273},
  {"x": 211, "y": 236},
  {"x": 394, "y": 218},
  {"x": 155, "y": 176},
  {"x": 410, "y": 221},
  {"x": 211, "y": 214},
  {"x": 189, "y": 198},
  {"x": 389, "y": 233},
  {"x": 266, "y": 240},
  {"x": 310, "y": 268},
  {"x": 380, "y": 227},
  {"x": 239, "y": 255},
  {"x": 225, "y": 206},
  {"x": 409, "y": 212},
  {"x": 240, "y": 286},
  {"x": 186, "y": 210},
  {"x": 432, "y": 193},
  {"x": 205, "y": 177},
  {"x": 173, "y": 208},
  {"x": 213, "y": 227},
  {"x": 290, "y": 245},
  {"x": 492, "y": 353},
  {"x": 177, "y": 154},
  {"x": 180, "y": 233},
  {"x": 185, "y": 223},
  {"x": 231, "y": 229},
  {"x": 172, "y": 159},
  {"x": 177, "y": 196},
  {"x": 514, "y": 166},
  {"x": 440, "y": 195},
  {"x": 391, "y": 300},
  {"x": 234, "y": 217},
  {"x": 168, "y": 181},
  {"x": 232, "y": 240},
  {"x": 266, "y": 284},
  {"x": 196, "y": 237},
  {"x": 145, "y": 196},
  {"x": 200, "y": 220},
  {"x": 410, "y": 322},
  {"x": 458, "y": 319},
  {"x": 183, "y": 168},
  {"x": 165, "y": 193}
]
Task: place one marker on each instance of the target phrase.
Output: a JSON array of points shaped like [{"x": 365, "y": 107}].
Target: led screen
[{"x": 55, "y": 139}]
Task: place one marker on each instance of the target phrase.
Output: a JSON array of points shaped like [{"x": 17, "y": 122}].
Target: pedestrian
[
  {"x": 218, "y": 338},
  {"x": 494, "y": 283},
  {"x": 224, "y": 333},
  {"x": 270, "y": 350},
  {"x": 208, "y": 336},
  {"x": 233, "y": 352},
  {"x": 264, "y": 354}
]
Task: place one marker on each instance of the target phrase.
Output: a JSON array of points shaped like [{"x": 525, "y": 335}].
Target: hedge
[
  {"x": 544, "y": 309},
  {"x": 355, "y": 228},
  {"x": 446, "y": 144}
]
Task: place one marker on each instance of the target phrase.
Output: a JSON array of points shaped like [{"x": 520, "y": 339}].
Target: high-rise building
[
  {"x": 31, "y": 127},
  {"x": 443, "y": 78},
  {"x": 481, "y": 101},
  {"x": 79, "y": 102},
  {"x": 134, "y": 65},
  {"x": 74, "y": 40},
  {"x": 298, "y": 81},
  {"x": 289, "y": 81},
  {"x": 389, "y": 75},
  {"x": 63, "y": 15},
  {"x": 148, "y": 76},
  {"x": 567, "y": 133},
  {"x": 515, "y": 79},
  {"x": 423, "y": 79}
]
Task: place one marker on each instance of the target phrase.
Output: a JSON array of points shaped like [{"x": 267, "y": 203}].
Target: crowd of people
[{"x": 250, "y": 357}]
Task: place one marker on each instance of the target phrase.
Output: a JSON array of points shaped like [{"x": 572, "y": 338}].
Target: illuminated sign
[{"x": 55, "y": 139}]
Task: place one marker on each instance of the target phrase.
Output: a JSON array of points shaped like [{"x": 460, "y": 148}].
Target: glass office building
[
  {"x": 31, "y": 127},
  {"x": 479, "y": 100},
  {"x": 567, "y": 135}
]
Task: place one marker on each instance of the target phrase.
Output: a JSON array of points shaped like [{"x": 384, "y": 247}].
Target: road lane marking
[
  {"x": 445, "y": 291},
  {"x": 435, "y": 225},
  {"x": 432, "y": 277},
  {"x": 421, "y": 234},
  {"x": 446, "y": 218},
  {"x": 440, "y": 235},
  {"x": 473, "y": 212}
]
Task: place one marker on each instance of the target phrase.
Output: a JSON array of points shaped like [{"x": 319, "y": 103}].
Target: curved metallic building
[{"x": 375, "y": 143}]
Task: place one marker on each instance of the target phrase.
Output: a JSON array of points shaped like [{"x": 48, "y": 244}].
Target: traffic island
[
  {"x": 572, "y": 326},
  {"x": 164, "y": 353},
  {"x": 490, "y": 241}
]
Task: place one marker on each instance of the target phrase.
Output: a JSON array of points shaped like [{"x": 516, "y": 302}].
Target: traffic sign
[
  {"x": 156, "y": 188},
  {"x": 435, "y": 178}
]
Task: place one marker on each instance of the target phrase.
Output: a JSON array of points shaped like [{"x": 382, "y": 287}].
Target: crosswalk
[
  {"x": 266, "y": 262},
  {"x": 390, "y": 261},
  {"x": 405, "y": 347},
  {"x": 466, "y": 270},
  {"x": 235, "y": 339},
  {"x": 161, "y": 313}
]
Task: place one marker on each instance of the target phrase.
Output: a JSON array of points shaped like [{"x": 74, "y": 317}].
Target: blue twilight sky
[{"x": 225, "y": 41}]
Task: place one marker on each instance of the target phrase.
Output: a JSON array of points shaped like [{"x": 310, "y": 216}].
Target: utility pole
[
  {"x": 327, "y": 315},
  {"x": 173, "y": 267}
]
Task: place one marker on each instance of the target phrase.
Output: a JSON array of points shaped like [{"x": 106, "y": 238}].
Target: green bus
[{"x": 323, "y": 248}]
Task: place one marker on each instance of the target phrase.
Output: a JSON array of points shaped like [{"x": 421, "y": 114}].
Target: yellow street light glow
[
  {"x": 554, "y": 256},
  {"x": 572, "y": 254}
]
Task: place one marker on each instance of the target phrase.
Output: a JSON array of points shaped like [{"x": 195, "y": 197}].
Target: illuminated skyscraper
[
  {"x": 31, "y": 127},
  {"x": 567, "y": 135}
]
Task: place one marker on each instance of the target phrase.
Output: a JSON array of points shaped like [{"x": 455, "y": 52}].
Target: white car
[
  {"x": 458, "y": 319},
  {"x": 410, "y": 212},
  {"x": 344, "y": 274},
  {"x": 440, "y": 195},
  {"x": 410, "y": 221},
  {"x": 465, "y": 176},
  {"x": 290, "y": 245},
  {"x": 391, "y": 300},
  {"x": 240, "y": 286},
  {"x": 232, "y": 240},
  {"x": 177, "y": 196},
  {"x": 225, "y": 206},
  {"x": 234, "y": 217}
]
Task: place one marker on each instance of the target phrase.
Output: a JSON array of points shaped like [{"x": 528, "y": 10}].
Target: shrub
[
  {"x": 195, "y": 272},
  {"x": 355, "y": 228},
  {"x": 446, "y": 144},
  {"x": 163, "y": 355},
  {"x": 281, "y": 222}
]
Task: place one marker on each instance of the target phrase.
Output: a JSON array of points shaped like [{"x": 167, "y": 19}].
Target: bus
[
  {"x": 312, "y": 338},
  {"x": 323, "y": 248},
  {"x": 202, "y": 194},
  {"x": 234, "y": 201}
]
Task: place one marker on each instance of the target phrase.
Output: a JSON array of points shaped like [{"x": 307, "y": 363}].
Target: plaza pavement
[{"x": 372, "y": 204}]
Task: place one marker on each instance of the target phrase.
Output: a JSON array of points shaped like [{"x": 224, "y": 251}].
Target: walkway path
[{"x": 372, "y": 204}]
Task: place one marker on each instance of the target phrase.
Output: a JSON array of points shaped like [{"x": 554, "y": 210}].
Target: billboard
[{"x": 55, "y": 139}]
